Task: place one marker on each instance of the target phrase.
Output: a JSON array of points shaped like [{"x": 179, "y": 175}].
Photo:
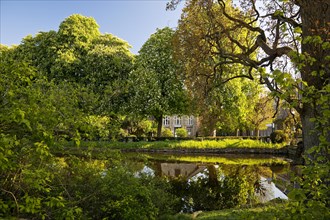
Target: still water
[{"x": 213, "y": 182}]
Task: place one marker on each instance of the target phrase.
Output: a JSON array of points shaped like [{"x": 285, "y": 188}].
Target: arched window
[
  {"x": 190, "y": 120},
  {"x": 166, "y": 121},
  {"x": 177, "y": 121}
]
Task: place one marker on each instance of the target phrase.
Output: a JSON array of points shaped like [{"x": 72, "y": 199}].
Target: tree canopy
[
  {"x": 157, "y": 84},
  {"x": 286, "y": 48},
  {"x": 224, "y": 101},
  {"x": 79, "y": 53}
]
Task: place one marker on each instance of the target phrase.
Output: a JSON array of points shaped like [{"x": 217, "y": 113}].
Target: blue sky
[{"x": 133, "y": 21}]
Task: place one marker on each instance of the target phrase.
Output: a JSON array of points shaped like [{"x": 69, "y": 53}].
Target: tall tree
[
  {"x": 79, "y": 53},
  {"x": 229, "y": 107},
  {"x": 291, "y": 38},
  {"x": 107, "y": 66},
  {"x": 157, "y": 85},
  {"x": 222, "y": 105},
  {"x": 262, "y": 113}
]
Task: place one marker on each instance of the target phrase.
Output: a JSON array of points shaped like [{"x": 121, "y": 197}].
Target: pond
[
  {"x": 209, "y": 182},
  {"x": 108, "y": 183}
]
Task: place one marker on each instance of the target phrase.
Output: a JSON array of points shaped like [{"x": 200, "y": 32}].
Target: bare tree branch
[
  {"x": 285, "y": 19},
  {"x": 242, "y": 23}
]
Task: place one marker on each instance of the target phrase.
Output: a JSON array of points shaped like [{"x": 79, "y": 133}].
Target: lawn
[{"x": 185, "y": 144}]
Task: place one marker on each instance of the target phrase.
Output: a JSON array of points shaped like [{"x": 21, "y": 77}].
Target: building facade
[{"x": 190, "y": 123}]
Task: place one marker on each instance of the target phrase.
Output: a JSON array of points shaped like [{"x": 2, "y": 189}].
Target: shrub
[
  {"x": 166, "y": 132},
  {"x": 278, "y": 136},
  {"x": 181, "y": 132},
  {"x": 123, "y": 193}
]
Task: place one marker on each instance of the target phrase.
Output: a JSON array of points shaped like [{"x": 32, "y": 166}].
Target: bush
[
  {"x": 278, "y": 136},
  {"x": 111, "y": 189},
  {"x": 166, "y": 132},
  {"x": 181, "y": 132}
]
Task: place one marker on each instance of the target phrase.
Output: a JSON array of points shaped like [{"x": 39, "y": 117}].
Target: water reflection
[
  {"x": 270, "y": 190},
  {"x": 205, "y": 185},
  {"x": 179, "y": 170}
]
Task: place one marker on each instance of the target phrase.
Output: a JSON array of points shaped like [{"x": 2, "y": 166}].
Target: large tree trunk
[
  {"x": 159, "y": 125},
  {"x": 213, "y": 177},
  {"x": 315, "y": 17},
  {"x": 310, "y": 136}
]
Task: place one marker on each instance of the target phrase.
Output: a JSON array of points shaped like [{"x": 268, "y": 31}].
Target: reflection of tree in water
[
  {"x": 212, "y": 187},
  {"x": 217, "y": 187}
]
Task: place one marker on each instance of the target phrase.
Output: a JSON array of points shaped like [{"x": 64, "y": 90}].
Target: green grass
[
  {"x": 190, "y": 144},
  {"x": 270, "y": 210},
  {"x": 223, "y": 159}
]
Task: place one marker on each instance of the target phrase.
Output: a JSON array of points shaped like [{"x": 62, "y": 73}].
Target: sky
[{"x": 131, "y": 20}]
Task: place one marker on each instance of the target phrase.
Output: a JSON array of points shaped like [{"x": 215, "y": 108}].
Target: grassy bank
[
  {"x": 185, "y": 144},
  {"x": 271, "y": 210},
  {"x": 212, "y": 159}
]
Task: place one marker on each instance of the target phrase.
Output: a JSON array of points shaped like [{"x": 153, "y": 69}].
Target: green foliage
[
  {"x": 166, "y": 132},
  {"x": 303, "y": 83},
  {"x": 79, "y": 53},
  {"x": 34, "y": 112},
  {"x": 224, "y": 102},
  {"x": 78, "y": 31},
  {"x": 138, "y": 127},
  {"x": 34, "y": 184},
  {"x": 156, "y": 86},
  {"x": 96, "y": 128},
  {"x": 271, "y": 210},
  {"x": 55, "y": 85},
  {"x": 311, "y": 200},
  {"x": 113, "y": 189},
  {"x": 208, "y": 195},
  {"x": 71, "y": 187},
  {"x": 279, "y": 136},
  {"x": 181, "y": 132},
  {"x": 262, "y": 112}
]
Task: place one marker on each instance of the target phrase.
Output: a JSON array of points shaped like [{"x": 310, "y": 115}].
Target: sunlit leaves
[
  {"x": 157, "y": 85},
  {"x": 78, "y": 31}
]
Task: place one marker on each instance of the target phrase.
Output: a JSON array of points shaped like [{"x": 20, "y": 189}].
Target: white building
[{"x": 190, "y": 123}]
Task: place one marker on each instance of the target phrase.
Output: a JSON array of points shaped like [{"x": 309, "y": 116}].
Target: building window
[
  {"x": 166, "y": 120},
  {"x": 177, "y": 121},
  {"x": 190, "y": 120}
]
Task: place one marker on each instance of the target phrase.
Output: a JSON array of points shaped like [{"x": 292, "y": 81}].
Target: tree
[
  {"x": 221, "y": 105},
  {"x": 157, "y": 88},
  {"x": 286, "y": 31},
  {"x": 58, "y": 54},
  {"x": 262, "y": 113},
  {"x": 291, "y": 39},
  {"x": 79, "y": 53},
  {"x": 107, "y": 66},
  {"x": 33, "y": 112},
  {"x": 228, "y": 107}
]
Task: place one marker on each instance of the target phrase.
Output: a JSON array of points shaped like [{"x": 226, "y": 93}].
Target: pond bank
[
  {"x": 287, "y": 151},
  {"x": 281, "y": 151},
  {"x": 208, "y": 147}
]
